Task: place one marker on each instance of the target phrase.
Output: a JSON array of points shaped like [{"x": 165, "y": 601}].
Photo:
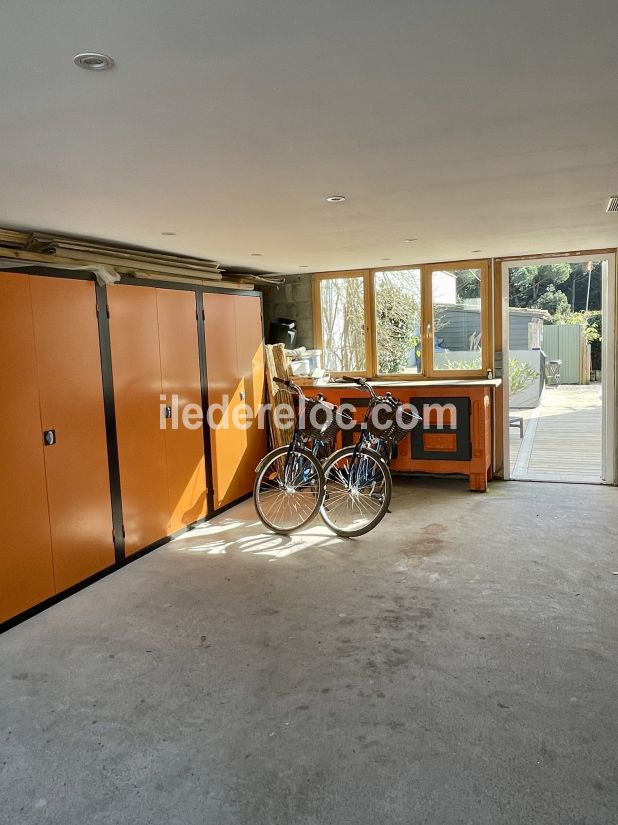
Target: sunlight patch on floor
[{"x": 246, "y": 534}]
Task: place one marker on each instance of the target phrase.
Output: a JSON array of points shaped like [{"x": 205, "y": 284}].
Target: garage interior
[{"x": 370, "y": 172}]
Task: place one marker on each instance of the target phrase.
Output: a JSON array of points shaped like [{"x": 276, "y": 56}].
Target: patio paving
[{"x": 562, "y": 438}]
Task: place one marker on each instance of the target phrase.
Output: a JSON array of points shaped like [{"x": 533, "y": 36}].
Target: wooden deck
[{"x": 562, "y": 437}]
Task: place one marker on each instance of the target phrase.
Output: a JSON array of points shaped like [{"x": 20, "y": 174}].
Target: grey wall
[
  {"x": 291, "y": 300},
  {"x": 456, "y": 325},
  {"x": 518, "y": 331},
  {"x": 459, "y": 324}
]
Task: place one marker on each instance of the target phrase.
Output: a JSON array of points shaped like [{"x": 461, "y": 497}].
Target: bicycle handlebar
[
  {"x": 363, "y": 384},
  {"x": 285, "y": 382}
]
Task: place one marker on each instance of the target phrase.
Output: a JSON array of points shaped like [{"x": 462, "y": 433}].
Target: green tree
[
  {"x": 397, "y": 313},
  {"x": 594, "y": 334},
  {"x": 468, "y": 284},
  {"x": 528, "y": 283},
  {"x": 343, "y": 323},
  {"x": 577, "y": 286},
  {"x": 554, "y": 301}
]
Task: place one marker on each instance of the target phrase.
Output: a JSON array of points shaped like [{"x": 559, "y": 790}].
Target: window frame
[
  {"x": 428, "y": 371},
  {"x": 406, "y": 376},
  {"x": 486, "y": 326},
  {"x": 317, "y": 316}
]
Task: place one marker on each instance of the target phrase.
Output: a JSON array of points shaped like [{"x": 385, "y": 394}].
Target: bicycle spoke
[
  {"x": 288, "y": 491},
  {"x": 355, "y": 492}
]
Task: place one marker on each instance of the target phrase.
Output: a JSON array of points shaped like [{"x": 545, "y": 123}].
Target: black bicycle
[
  {"x": 289, "y": 485},
  {"x": 358, "y": 479}
]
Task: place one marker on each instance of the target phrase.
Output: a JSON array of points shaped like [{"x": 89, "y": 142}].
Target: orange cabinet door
[
  {"x": 136, "y": 369},
  {"x": 235, "y": 365},
  {"x": 71, "y": 392},
  {"x": 180, "y": 382},
  {"x": 250, "y": 359},
  {"x": 26, "y": 572},
  {"x": 224, "y": 388}
]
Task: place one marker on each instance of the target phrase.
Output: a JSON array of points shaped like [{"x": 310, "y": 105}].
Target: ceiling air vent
[{"x": 612, "y": 204}]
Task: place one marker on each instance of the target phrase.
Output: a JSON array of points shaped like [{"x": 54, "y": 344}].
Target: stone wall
[{"x": 291, "y": 300}]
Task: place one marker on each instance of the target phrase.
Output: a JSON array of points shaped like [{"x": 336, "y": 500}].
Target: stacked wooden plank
[{"x": 281, "y": 431}]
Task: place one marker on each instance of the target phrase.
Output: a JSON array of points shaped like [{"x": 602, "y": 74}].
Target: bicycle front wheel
[
  {"x": 289, "y": 489},
  {"x": 358, "y": 491}
]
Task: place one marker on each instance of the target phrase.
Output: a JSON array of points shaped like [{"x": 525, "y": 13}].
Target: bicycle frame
[
  {"x": 320, "y": 449},
  {"x": 383, "y": 447}
]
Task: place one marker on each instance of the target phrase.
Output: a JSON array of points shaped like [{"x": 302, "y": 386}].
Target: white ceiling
[{"x": 468, "y": 124}]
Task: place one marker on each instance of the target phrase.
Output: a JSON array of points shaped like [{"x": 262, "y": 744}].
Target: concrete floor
[{"x": 458, "y": 665}]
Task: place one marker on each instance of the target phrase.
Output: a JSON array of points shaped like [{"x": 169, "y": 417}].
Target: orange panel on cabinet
[
  {"x": 136, "y": 369},
  {"x": 224, "y": 393},
  {"x": 440, "y": 442},
  {"x": 250, "y": 355},
  {"x": 180, "y": 374},
  {"x": 26, "y": 571},
  {"x": 71, "y": 392}
]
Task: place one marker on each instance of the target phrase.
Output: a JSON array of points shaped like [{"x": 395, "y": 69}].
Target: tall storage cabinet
[
  {"x": 154, "y": 346},
  {"x": 102, "y": 393},
  {"x": 55, "y": 502},
  {"x": 71, "y": 394},
  {"x": 235, "y": 358},
  {"x": 26, "y": 568}
]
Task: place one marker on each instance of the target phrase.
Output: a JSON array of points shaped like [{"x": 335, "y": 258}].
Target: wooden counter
[
  {"x": 453, "y": 382},
  {"x": 461, "y": 445}
]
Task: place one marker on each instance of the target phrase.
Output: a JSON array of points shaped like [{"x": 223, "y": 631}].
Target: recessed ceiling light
[
  {"x": 256, "y": 254},
  {"x": 385, "y": 259},
  {"x": 477, "y": 250},
  {"x": 335, "y": 198},
  {"x": 168, "y": 233},
  {"x": 410, "y": 240},
  {"x": 93, "y": 61},
  {"x": 303, "y": 266}
]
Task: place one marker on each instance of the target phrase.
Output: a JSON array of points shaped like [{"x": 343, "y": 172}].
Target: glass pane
[
  {"x": 398, "y": 321},
  {"x": 457, "y": 321},
  {"x": 343, "y": 324}
]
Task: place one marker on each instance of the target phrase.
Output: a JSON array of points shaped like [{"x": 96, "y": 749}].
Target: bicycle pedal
[{"x": 389, "y": 510}]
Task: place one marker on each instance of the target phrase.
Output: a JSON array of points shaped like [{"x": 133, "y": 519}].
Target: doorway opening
[{"x": 559, "y": 316}]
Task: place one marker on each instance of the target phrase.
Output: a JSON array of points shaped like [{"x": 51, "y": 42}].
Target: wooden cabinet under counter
[{"x": 455, "y": 435}]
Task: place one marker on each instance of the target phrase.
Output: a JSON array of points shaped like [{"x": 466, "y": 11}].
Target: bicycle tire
[
  {"x": 311, "y": 508},
  {"x": 328, "y": 516}
]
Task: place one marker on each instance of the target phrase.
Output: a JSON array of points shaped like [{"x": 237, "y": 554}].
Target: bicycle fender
[{"x": 268, "y": 456}]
